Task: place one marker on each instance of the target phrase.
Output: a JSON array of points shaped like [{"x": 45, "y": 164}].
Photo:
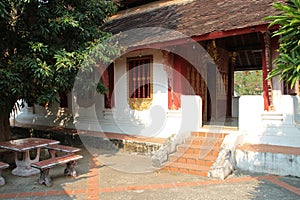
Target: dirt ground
[{"x": 119, "y": 175}]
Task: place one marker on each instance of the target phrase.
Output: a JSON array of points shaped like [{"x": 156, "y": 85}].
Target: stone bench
[
  {"x": 62, "y": 148},
  {"x": 2, "y": 166},
  {"x": 45, "y": 165}
]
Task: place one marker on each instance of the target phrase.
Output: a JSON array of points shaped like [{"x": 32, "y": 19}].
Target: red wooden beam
[
  {"x": 228, "y": 33},
  {"x": 208, "y": 36}
]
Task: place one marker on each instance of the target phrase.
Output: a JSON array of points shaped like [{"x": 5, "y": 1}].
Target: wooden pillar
[
  {"x": 107, "y": 78},
  {"x": 168, "y": 64},
  {"x": 265, "y": 68},
  {"x": 230, "y": 92},
  {"x": 179, "y": 74}
]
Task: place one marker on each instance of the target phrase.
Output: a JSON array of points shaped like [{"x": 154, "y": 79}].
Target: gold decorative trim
[
  {"x": 140, "y": 103},
  {"x": 212, "y": 50}
]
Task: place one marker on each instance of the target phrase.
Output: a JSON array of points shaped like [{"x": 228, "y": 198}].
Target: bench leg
[
  {"x": 2, "y": 180},
  {"x": 24, "y": 164},
  {"x": 70, "y": 169},
  {"x": 45, "y": 177}
]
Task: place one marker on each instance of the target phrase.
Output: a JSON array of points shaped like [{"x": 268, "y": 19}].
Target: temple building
[{"x": 174, "y": 82}]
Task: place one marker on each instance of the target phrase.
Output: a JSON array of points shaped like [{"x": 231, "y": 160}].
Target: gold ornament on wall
[{"x": 140, "y": 104}]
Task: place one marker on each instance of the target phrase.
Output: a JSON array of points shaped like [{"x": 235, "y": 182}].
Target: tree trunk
[{"x": 5, "y": 133}]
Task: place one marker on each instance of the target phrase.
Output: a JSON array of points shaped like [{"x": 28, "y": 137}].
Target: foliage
[
  {"x": 248, "y": 83},
  {"x": 288, "y": 61},
  {"x": 45, "y": 42},
  {"x": 43, "y": 45}
]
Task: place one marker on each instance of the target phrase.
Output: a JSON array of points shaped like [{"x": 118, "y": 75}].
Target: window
[
  {"x": 140, "y": 82},
  {"x": 139, "y": 77}
]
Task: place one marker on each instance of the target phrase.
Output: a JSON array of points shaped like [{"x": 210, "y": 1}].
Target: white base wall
[
  {"x": 278, "y": 127},
  {"x": 155, "y": 122},
  {"x": 59, "y": 117},
  {"x": 271, "y": 163},
  {"x": 282, "y": 136},
  {"x": 269, "y": 127}
]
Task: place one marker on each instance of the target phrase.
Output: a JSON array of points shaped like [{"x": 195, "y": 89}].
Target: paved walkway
[{"x": 119, "y": 175}]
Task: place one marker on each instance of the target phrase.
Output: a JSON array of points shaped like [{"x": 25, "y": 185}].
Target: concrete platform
[{"x": 272, "y": 159}]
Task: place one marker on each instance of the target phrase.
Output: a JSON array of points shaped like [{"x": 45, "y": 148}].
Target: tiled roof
[{"x": 192, "y": 17}]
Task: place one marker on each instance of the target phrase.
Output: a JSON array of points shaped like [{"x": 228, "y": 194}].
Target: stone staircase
[{"x": 197, "y": 154}]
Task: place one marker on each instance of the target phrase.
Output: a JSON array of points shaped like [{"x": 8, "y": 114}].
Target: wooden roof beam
[
  {"x": 209, "y": 36},
  {"x": 221, "y": 34},
  {"x": 244, "y": 68}
]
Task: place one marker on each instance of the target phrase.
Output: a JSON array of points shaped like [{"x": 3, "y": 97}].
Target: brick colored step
[
  {"x": 191, "y": 156},
  {"x": 201, "y": 147},
  {"x": 198, "y": 149},
  {"x": 203, "y": 140},
  {"x": 197, "y": 154},
  {"x": 209, "y": 134},
  {"x": 192, "y": 159}
]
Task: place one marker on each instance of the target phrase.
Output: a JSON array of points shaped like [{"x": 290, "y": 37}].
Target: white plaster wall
[
  {"x": 38, "y": 115},
  {"x": 250, "y": 110},
  {"x": 157, "y": 121},
  {"x": 191, "y": 113},
  {"x": 297, "y": 109},
  {"x": 276, "y": 127},
  {"x": 189, "y": 120},
  {"x": 88, "y": 118},
  {"x": 269, "y": 127},
  {"x": 265, "y": 162}
]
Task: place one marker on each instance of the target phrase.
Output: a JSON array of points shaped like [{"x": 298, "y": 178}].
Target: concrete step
[{"x": 270, "y": 148}]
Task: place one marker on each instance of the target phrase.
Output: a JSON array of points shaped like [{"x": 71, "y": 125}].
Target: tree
[
  {"x": 288, "y": 61},
  {"x": 44, "y": 43}
]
